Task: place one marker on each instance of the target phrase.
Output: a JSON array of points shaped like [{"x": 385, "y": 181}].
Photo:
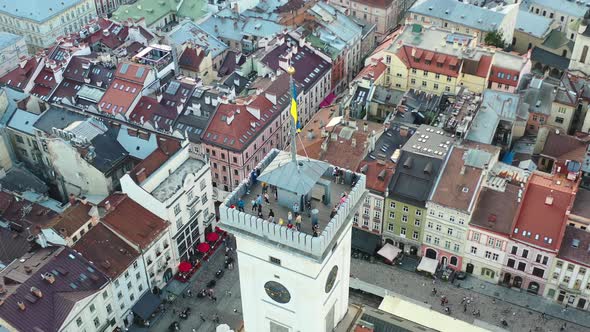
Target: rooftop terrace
[
  {"x": 303, "y": 241},
  {"x": 174, "y": 181}
]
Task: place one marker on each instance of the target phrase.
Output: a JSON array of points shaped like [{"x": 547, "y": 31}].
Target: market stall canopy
[
  {"x": 389, "y": 252},
  {"x": 147, "y": 305},
  {"x": 428, "y": 265}
]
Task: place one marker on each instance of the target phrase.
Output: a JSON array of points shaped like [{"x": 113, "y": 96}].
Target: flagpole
[{"x": 291, "y": 72}]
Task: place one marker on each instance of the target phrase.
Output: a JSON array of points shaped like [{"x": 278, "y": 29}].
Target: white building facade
[{"x": 180, "y": 192}]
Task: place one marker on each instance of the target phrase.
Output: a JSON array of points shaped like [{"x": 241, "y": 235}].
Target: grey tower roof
[{"x": 300, "y": 178}]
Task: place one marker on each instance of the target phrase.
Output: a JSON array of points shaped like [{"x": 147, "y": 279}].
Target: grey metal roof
[
  {"x": 20, "y": 180},
  {"x": 109, "y": 152},
  {"x": 462, "y": 13},
  {"x": 534, "y": 25},
  {"x": 58, "y": 118},
  {"x": 300, "y": 178},
  {"x": 550, "y": 59},
  {"x": 571, "y": 8},
  {"x": 410, "y": 183}
]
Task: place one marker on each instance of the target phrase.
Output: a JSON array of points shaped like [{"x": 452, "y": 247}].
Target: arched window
[
  {"x": 584, "y": 54},
  {"x": 454, "y": 260},
  {"x": 530, "y": 46},
  {"x": 564, "y": 53}
]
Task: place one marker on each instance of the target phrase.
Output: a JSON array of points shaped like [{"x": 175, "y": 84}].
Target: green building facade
[{"x": 403, "y": 224}]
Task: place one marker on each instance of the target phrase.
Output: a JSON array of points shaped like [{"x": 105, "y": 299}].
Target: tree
[{"x": 495, "y": 38}]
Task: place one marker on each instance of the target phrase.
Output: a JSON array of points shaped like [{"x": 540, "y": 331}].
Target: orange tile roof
[{"x": 542, "y": 216}]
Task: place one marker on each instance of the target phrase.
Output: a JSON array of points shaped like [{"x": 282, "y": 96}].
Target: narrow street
[{"x": 492, "y": 308}]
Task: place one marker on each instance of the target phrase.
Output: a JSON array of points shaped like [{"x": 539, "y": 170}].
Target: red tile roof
[
  {"x": 132, "y": 221},
  {"x": 132, "y": 72},
  {"x": 419, "y": 61},
  {"x": 74, "y": 217},
  {"x": 561, "y": 146},
  {"x": 542, "y": 216},
  {"x": 111, "y": 254},
  {"x": 191, "y": 58},
  {"x": 25, "y": 213},
  {"x": 117, "y": 34},
  {"x": 374, "y": 169},
  {"x": 240, "y": 133},
  {"x": 513, "y": 74},
  {"x": 119, "y": 96},
  {"x": 166, "y": 148},
  {"x": 20, "y": 76},
  {"x": 372, "y": 71}
]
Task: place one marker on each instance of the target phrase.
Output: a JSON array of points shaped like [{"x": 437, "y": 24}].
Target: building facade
[
  {"x": 174, "y": 184},
  {"x": 41, "y": 22}
]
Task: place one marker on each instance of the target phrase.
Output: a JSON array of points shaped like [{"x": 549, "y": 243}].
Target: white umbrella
[{"x": 223, "y": 328}]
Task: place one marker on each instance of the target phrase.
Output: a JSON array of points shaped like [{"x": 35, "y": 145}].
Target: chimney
[
  {"x": 353, "y": 142},
  {"x": 72, "y": 199},
  {"x": 365, "y": 127},
  {"x": 159, "y": 96},
  {"x": 21, "y": 305},
  {"x": 549, "y": 200},
  {"x": 37, "y": 292},
  {"x": 140, "y": 176},
  {"x": 23, "y": 62},
  {"x": 105, "y": 32},
  {"x": 108, "y": 205},
  {"x": 462, "y": 172},
  {"x": 49, "y": 277}
]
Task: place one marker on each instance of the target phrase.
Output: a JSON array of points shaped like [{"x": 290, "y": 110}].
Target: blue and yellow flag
[{"x": 294, "y": 107}]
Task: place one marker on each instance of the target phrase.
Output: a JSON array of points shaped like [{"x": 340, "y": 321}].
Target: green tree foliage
[{"x": 495, "y": 38}]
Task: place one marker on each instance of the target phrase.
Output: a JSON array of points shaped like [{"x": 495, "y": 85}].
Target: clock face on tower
[
  {"x": 331, "y": 279},
  {"x": 277, "y": 292}
]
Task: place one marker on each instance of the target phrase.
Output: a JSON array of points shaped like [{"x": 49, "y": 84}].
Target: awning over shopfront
[
  {"x": 389, "y": 252},
  {"x": 365, "y": 241},
  {"x": 212, "y": 237},
  {"x": 428, "y": 265},
  {"x": 203, "y": 247},
  {"x": 147, "y": 305}
]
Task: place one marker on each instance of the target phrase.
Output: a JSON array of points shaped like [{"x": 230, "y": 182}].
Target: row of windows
[
  {"x": 436, "y": 75},
  {"x": 441, "y": 215},
  {"x": 491, "y": 241},
  {"x": 436, "y": 241},
  {"x": 488, "y": 254}
]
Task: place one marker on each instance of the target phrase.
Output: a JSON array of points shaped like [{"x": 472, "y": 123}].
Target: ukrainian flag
[{"x": 294, "y": 107}]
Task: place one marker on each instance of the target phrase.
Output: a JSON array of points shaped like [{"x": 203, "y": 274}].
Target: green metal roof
[{"x": 154, "y": 10}]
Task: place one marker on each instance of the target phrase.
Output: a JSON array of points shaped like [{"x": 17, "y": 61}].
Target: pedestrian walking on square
[
  {"x": 253, "y": 205},
  {"x": 465, "y": 307},
  {"x": 289, "y": 218},
  {"x": 259, "y": 200},
  {"x": 464, "y": 299},
  {"x": 434, "y": 291},
  {"x": 442, "y": 300},
  {"x": 202, "y": 317},
  {"x": 298, "y": 222},
  {"x": 228, "y": 293},
  {"x": 266, "y": 198}
]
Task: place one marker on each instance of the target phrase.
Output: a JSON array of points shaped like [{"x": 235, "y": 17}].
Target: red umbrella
[
  {"x": 203, "y": 247},
  {"x": 184, "y": 267},
  {"x": 212, "y": 237},
  {"x": 218, "y": 230}
]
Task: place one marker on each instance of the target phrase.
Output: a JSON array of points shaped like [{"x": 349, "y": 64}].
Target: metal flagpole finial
[{"x": 291, "y": 70}]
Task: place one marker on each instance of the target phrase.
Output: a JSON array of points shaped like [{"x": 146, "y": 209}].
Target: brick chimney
[
  {"x": 21, "y": 305},
  {"x": 72, "y": 199},
  {"x": 140, "y": 175},
  {"x": 36, "y": 291},
  {"x": 108, "y": 205},
  {"x": 49, "y": 277}
]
